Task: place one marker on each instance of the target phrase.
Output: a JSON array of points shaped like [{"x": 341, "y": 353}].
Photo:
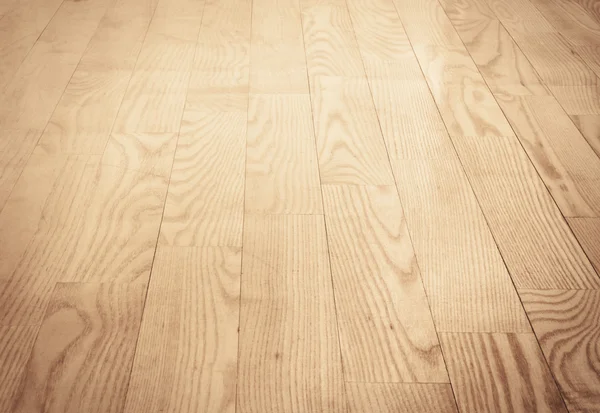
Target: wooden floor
[{"x": 298, "y": 206}]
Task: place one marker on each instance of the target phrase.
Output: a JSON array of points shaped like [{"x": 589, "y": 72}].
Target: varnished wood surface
[{"x": 299, "y": 206}]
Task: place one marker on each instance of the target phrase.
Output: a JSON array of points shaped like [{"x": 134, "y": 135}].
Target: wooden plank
[
  {"x": 85, "y": 114},
  {"x": 84, "y": 350},
  {"x": 386, "y": 329},
  {"x": 567, "y": 325},
  {"x": 578, "y": 100},
  {"x": 205, "y": 201},
  {"x": 349, "y": 141},
  {"x": 26, "y": 288},
  {"x": 278, "y": 58},
  {"x": 400, "y": 398},
  {"x": 186, "y": 357},
  {"x": 148, "y": 153},
  {"x": 589, "y": 126},
  {"x": 562, "y": 156},
  {"x": 570, "y": 19},
  {"x": 555, "y": 63},
  {"x": 329, "y": 39},
  {"x": 289, "y": 356},
  {"x": 465, "y": 279},
  {"x": 499, "y": 373},
  {"x": 156, "y": 95},
  {"x": 15, "y": 347},
  {"x": 587, "y": 231},
  {"x": 410, "y": 120},
  {"x": 19, "y": 30},
  {"x": 498, "y": 58},
  {"x": 520, "y": 17},
  {"x": 15, "y": 148},
  {"x": 532, "y": 235},
  {"x": 32, "y": 95},
  {"x": 282, "y": 172}
]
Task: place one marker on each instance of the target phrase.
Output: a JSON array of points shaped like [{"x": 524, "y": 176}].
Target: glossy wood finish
[{"x": 299, "y": 206}]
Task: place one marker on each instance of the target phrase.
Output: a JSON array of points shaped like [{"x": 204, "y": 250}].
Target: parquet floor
[{"x": 299, "y": 206}]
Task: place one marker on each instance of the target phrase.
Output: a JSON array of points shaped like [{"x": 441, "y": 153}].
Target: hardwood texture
[
  {"x": 498, "y": 58},
  {"x": 31, "y": 96},
  {"x": 205, "y": 201},
  {"x": 186, "y": 356},
  {"x": 500, "y": 373},
  {"x": 19, "y": 31},
  {"x": 15, "y": 148},
  {"x": 349, "y": 142},
  {"x": 533, "y": 237},
  {"x": 567, "y": 324},
  {"x": 386, "y": 330},
  {"x": 15, "y": 348},
  {"x": 562, "y": 156},
  {"x": 465, "y": 279},
  {"x": 587, "y": 232},
  {"x": 287, "y": 300},
  {"x": 83, "y": 353},
  {"x": 589, "y": 126},
  {"x": 282, "y": 172},
  {"x": 400, "y": 398},
  {"x": 86, "y": 112}
]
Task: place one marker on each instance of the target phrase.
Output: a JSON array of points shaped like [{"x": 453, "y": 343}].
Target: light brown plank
[
  {"x": 567, "y": 325},
  {"x": 186, "y": 355},
  {"x": 15, "y": 349},
  {"x": 282, "y": 172},
  {"x": 349, "y": 141},
  {"x": 520, "y": 17},
  {"x": 15, "y": 148},
  {"x": 45, "y": 251},
  {"x": 500, "y": 373},
  {"x": 289, "y": 358},
  {"x": 205, "y": 201},
  {"x": 578, "y": 100},
  {"x": 329, "y": 39},
  {"x": 589, "y": 126},
  {"x": 465, "y": 279},
  {"x": 532, "y": 235},
  {"x": 278, "y": 58},
  {"x": 562, "y": 156},
  {"x": 400, "y": 398},
  {"x": 32, "y": 95},
  {"x": 83, "y": 353},
  {"x": 498, "y": 58},
  {"x": 386, "y": 329},
  {"x": 19, "y": 30},
  {"x": 587, "y": 232},
  {"x": 148, "y": 153}
]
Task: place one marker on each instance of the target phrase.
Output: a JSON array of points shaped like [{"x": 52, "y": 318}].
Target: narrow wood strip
[
  {"x": 186, "y": 356},
  {"x": 15, "y": 348},
  {"x": 587, "y": 231}
]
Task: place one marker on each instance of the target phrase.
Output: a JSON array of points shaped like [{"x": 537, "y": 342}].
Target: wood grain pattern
[
  {"x": 386, "y": 329},
  {"x": 205, "y": 201},
  {"x": 186, "y": 355},
  {"x": 15, "y": 348},
  {"x": 287, "y": 299},
  {"x": 32, "y": 95},
  {"x": 282, "y": 172},
  {"x": 148, "y": 153},
  {"x": 83, "y": 353},
  {"x": 349, "y": 142},
  {"x": 465, "y": 279},
  {"x": 578, "y": 100},
  {"x": 19, "y": 30},
  {"x": 400, "y": 398},
  {"x": 567, "y": 324},
  {"x": 500, "y": 373},
  {"x": 15, "y": 148},
  {"x": 498, "y": 58},
  {"x": 562, "y": 156},
  {"x": 532, "y": 235},
  {"x": 589, "y": 126},
  {"x": 329, "y": 40},
  {"x": 587, "y": 231}
]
